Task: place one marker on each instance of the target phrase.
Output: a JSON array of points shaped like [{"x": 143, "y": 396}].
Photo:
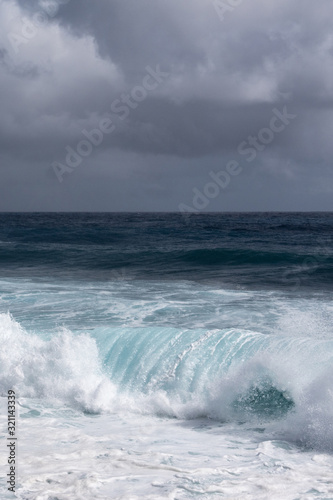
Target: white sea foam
[
  {"x": 133, "y": 457},
  {"x": 66, "y": 367},
  {"x": 286, "y": 384}
]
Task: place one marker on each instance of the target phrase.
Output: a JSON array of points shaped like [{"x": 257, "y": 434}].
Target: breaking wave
[{"x": 219, "y": 374}]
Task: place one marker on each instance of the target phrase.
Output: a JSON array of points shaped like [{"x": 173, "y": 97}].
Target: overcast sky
[{"x": 140, "y": 105}]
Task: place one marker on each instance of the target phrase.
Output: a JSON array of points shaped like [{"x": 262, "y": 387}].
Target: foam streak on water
[
  {"x": 158, "y": 360},
  {"x": 68, "y": 456},
  {"x": 258, "y": 411}
]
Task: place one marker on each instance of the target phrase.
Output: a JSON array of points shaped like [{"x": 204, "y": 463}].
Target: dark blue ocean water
[
  {"x": 163, "y": 356},
  {"x": 291, "y": 251}
]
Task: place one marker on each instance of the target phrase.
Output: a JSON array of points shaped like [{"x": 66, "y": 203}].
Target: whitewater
[{"x": 190, "y": 377}]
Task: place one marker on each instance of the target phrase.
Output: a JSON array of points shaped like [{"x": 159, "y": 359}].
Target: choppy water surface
[{"x": 157, "y": 356}]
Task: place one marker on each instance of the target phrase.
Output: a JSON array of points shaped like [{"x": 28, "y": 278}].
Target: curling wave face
[{"x": 225, "y": 375}]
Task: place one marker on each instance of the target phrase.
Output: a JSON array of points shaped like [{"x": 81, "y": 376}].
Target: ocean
[{"x": 168, "y": 356}]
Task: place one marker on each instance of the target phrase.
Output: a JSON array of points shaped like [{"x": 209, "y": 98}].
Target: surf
[{"x": 223, "y": 375}]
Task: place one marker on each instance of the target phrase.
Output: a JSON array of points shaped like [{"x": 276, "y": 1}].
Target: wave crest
[{"x": 66, "y": 367}]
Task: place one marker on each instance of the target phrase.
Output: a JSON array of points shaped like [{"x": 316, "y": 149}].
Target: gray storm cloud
[{"x": 132, "y": 105}]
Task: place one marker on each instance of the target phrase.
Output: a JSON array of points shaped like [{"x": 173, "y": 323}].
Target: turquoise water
[{"x": 162, "y": 357}]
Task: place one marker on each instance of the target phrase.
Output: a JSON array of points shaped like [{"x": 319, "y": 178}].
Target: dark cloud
[{"x": 59, "y": 77}]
